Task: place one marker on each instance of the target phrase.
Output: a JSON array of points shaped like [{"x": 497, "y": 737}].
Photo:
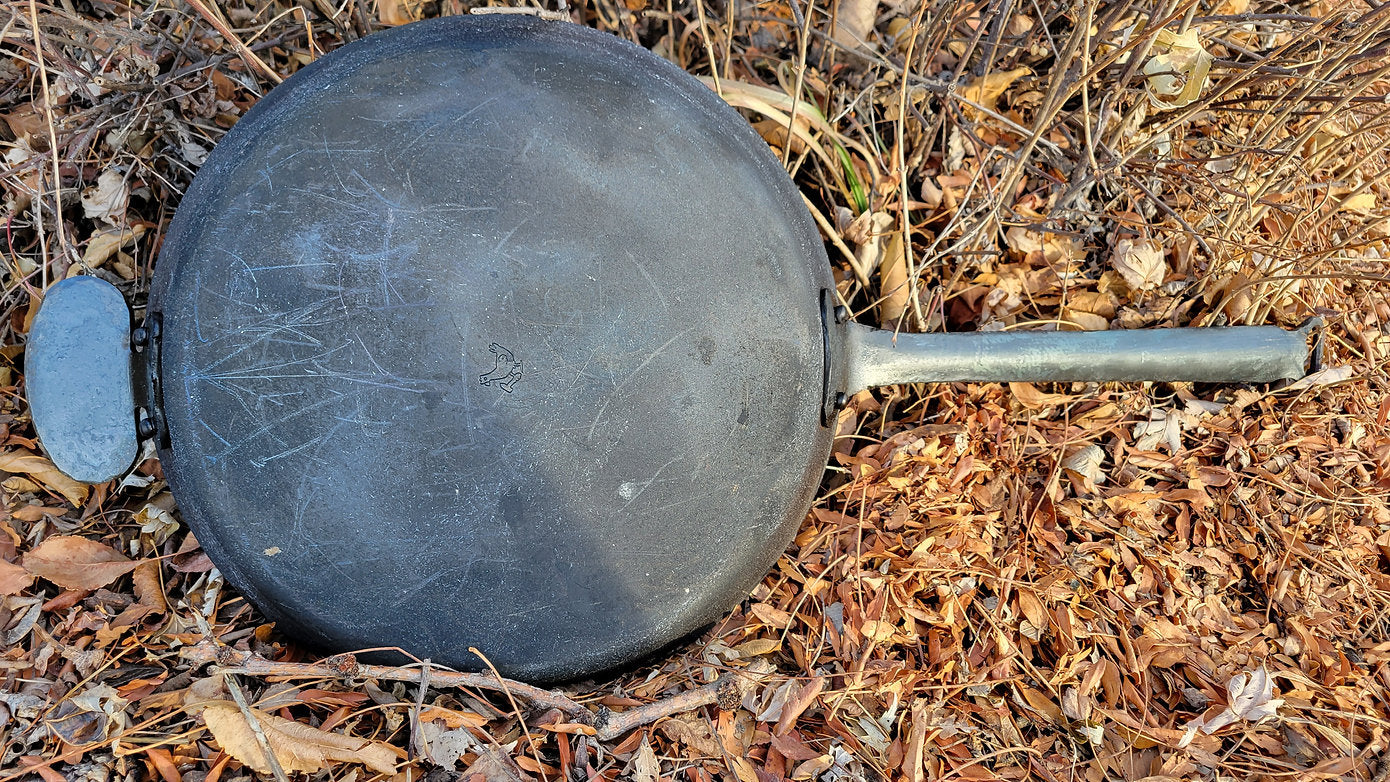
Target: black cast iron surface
[{"x": 497, "y": 333}]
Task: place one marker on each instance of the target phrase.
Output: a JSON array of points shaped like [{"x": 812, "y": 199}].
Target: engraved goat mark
[{"x": 506, "y": 370}]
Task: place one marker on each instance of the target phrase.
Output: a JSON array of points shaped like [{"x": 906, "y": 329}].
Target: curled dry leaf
[
  {"x": 894, "y": 283},
  {"x": 107, "y": 242},
  {"x": 1250, "y": 697},
  {"x": 1177, "y": 73},
  {"x": 108, "y": 198},
  {"x": 986, "y": 90},
  {"x": 74, "y": 562},
  {"x": 1164, "y": 427},
  {"x": 1032, "y": 398},
  {"x": 43, "y": 471},
  {"x": 1086, "y": 463},
  {"x": 1140, "y": 262},
  {"x": 297, "y": 747}
]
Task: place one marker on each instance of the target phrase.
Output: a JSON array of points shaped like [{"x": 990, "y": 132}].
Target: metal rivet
[
  {"x": 841, "y": 314},
  {"x": 140, "y": 336},
  {"x": 146, "y": 427}
]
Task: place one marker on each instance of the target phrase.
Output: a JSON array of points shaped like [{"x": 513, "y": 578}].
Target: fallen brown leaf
[
  {"x": 394, "y": 12},
  {"x": 1140, "y": 262},
  {"x": 854, "y": 21},
  {"x": 13, "y": 578},
  {"x": 43, "y": 471},
  {"x": 986, "y": 90},
  {"x": 74, "y": 562}
]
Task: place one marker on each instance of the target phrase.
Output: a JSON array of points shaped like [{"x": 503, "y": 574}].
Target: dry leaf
[
  {"x": 443, "y": 745},
  {"x": 986, "y": 90},
  {"x": 1051, "y": 247},
  {"x": 1086, "y": 463},
  {"x": 108, "y": 198},
  {"x": 43, "y": 471},
  {"x": 757, "y": 647},
  {"x": 1075, "y": 319},
  {"x": 1250, "y": 696},
  {"x": 13, "y": 578},
  {"x": 1323, "y": 377},
  {"x": 1163, "y": 427},
  {"x": 854, "y": 21},
  {"x": 493, "y": 765},
  {"x": 452, "y": 718},
  {"x": 74, "y": 562},
  {"x": 1177, "y": 73},
  {"x": 148, "y": 588},
  {"x": 297, "y": 747},
  {"x": 394, "y": 12},
  {"x": 775, "y": 133},
  {"x": 693, "y": 733},
  {"x": 106, "y": 242},
  {"x": 644, "y": 767},
  {"x": 1030, "y": 397},
  {"x": 894, "y": 285},
  {"x": 1140, "y": 262},
  {"x": 1363, "y": 202},
  {"x": 90, "y": 716}
]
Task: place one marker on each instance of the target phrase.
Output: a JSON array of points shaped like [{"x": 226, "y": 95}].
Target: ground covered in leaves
[{"x": 1067, "y": 582}]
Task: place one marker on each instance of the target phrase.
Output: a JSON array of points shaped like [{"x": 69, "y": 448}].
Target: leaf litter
[{"x": 1034, "y": 581}]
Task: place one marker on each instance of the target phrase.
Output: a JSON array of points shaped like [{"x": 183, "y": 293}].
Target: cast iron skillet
[{"x": 500, "y": 333}]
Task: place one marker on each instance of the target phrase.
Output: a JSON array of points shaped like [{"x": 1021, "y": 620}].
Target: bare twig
[
  {"x": 507, "y": 691},
  {"x": 726, "y": 691},
  {"x": 215, "y": 19},
  {"x": 345, "y": 666}
]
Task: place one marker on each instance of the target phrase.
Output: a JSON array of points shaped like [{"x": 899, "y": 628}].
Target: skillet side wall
[{"x": 493, "y": 332}]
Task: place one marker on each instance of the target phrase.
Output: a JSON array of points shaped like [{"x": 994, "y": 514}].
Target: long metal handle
[{"x": 1234, "y": 354}]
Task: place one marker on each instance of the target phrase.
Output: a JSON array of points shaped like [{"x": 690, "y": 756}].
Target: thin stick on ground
[
  {"x": 725, "y": 691},
  {"x": 345, "y": 666}
]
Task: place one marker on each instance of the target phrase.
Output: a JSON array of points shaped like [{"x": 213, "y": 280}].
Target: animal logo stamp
[{"x": 506, "y": 370}]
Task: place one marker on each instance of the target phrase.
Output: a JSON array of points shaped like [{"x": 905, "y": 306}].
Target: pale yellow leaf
[
  {"x": 757, "y": 647},
  {"x": 1177, "y": 73},
  {"x": 74, "y": 562},
  {"x": 1362, "y": 202},
  {"x": 894, "y": 283},
  {"x": 297, "y": 747},
  {"x": 986, "y": 90}
]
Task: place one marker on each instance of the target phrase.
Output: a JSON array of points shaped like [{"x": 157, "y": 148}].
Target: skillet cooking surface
[{"x": 493, "y": 332}]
